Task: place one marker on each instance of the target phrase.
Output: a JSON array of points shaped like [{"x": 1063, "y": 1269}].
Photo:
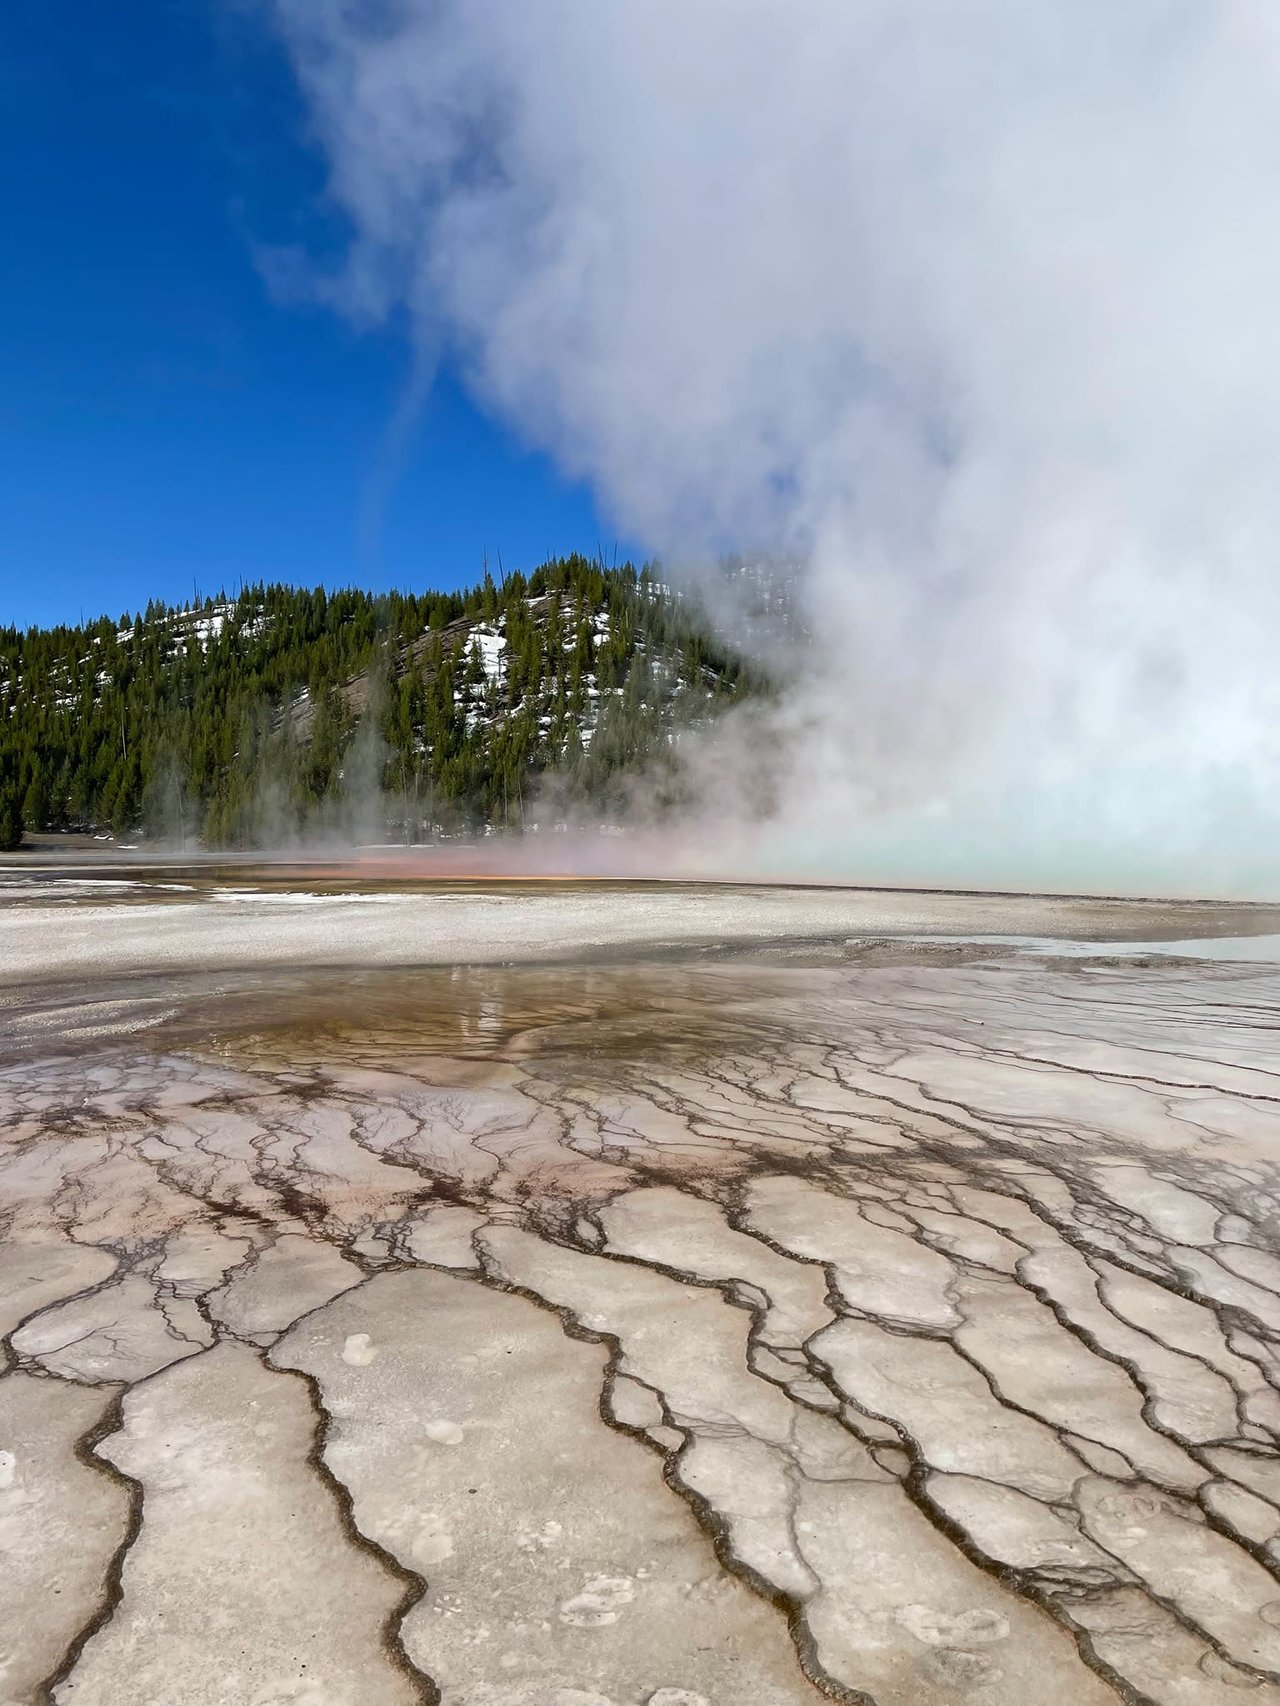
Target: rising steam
[{"x": 973, "y": 307}]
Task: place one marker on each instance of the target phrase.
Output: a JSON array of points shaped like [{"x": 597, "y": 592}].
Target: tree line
[{"x": 251, "y": 720}]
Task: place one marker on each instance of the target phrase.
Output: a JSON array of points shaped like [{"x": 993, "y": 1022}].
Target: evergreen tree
[{"x": 11, "y": 827}]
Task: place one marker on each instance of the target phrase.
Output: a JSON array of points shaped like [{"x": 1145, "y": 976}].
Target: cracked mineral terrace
[{"x": 752, "y": 1303}]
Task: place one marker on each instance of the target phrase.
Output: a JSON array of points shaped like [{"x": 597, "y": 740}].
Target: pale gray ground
[
  {"x": 91, "y": 920},
  {"x": 895, "y": 1325}
]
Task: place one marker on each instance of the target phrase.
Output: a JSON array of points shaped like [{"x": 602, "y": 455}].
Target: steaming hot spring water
[{"x": 634, "y": 1295}]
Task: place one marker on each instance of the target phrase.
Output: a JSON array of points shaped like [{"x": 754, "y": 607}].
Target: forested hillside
[{"x": 243, "y": 721}]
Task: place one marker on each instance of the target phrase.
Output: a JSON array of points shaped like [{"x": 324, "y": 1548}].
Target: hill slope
[{"x": 247, "y": 720}]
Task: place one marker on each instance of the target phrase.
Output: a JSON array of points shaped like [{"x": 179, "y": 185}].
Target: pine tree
[{"x": 11, "y": 826}]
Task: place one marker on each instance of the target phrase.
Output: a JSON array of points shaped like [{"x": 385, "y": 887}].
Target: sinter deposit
[{"x": 834, "y": 1317}]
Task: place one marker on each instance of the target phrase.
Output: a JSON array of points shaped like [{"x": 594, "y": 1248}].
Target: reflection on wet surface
[{"x": 899, "y": 1329}]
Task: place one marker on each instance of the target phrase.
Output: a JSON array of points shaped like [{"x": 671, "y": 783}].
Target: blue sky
[{"x": 164, "y": 424}]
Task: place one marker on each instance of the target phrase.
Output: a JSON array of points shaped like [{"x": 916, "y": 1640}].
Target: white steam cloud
[{"x": 976, "y": 306}]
